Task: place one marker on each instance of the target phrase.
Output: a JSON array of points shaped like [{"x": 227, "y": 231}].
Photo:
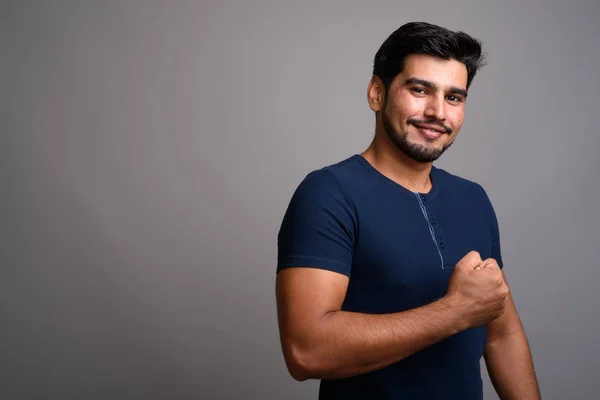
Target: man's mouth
[
  {"x": 432, "y": 128},
  {"x": 431, "y": 132}
]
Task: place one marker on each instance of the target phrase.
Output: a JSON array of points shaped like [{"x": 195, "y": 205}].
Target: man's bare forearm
[
  {"x": 510, "y": 367},
  {"x": 348, "y": 344}
]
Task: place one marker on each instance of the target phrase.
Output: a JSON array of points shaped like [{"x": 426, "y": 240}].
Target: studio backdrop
[{"x": 149, "y": 150}]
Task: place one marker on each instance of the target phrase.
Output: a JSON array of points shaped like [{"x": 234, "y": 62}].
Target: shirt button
[
  {"x": 424, "y": 198},
  {"x": 433, "y": 221},
  {"x": 442, "y": 245}
]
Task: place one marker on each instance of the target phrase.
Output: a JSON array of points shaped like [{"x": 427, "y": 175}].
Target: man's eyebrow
[
  {"x": 431, "y": 85},
  {"x": 422, "y": 82},
  {"x": 459, "y": 91}
]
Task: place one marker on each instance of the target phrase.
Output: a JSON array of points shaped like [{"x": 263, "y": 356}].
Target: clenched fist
[{"x": 478, "y": 289}]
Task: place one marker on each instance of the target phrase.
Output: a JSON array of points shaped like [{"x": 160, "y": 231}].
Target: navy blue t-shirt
[{"x": 399, "y": 249}]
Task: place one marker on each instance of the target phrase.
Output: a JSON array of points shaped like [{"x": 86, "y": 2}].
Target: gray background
[{"x": 149, "y": 152}]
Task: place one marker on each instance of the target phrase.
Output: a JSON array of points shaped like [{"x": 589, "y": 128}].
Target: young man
[{"x": 389, "y": 278}]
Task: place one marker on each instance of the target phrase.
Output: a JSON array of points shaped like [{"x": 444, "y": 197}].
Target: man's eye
[
  {"x": 454, "y": 99},
  {"x": 418, "y": 90}
]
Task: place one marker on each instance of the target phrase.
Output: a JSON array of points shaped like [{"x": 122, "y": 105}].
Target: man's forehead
[{"x": 441, "y": 72}]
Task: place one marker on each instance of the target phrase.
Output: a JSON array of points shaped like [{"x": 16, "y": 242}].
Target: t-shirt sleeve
[
  {"x": 318, "y": 228},
  {"x": 493, "y": 220}
]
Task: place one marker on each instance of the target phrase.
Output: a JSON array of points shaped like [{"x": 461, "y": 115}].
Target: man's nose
[{"x": 436, "y": 108}]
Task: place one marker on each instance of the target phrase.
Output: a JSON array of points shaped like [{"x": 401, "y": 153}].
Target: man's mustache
[{"x": 435, "y": 122}]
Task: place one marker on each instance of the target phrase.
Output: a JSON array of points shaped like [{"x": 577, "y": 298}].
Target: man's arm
[
  {"x": 321, "y": 341},
  {"x": 508, "y": 357}
]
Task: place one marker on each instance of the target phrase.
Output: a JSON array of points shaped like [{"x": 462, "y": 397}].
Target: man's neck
[{"x": 398, "y": 167}]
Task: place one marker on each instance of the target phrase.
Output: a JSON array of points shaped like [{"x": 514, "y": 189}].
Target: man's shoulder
[
  {"x": 344, "y": 168},
  {"x": 333, "y": 176},
  {"x": 328, "y": 181}
]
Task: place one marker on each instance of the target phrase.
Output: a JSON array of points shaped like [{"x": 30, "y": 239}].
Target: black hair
[{"x": 426, "y": 38}]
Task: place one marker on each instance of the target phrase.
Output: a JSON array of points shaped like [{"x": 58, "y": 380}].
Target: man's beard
[{"x": 415, "y": 151}]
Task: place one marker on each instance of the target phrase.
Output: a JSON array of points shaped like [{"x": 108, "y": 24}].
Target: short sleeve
[
  {"x": 318, "y": 228},
  {"x": 493, "y": 221}
]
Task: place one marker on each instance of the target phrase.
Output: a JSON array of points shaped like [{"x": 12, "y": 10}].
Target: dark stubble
[{"x": 415, "y": 151}]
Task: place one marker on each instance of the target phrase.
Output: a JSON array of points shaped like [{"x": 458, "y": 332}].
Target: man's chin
[
  {"x": 424, "y": 159},
  {"x": 423, "y": 155},
  {"x": 417, "y": 148}
]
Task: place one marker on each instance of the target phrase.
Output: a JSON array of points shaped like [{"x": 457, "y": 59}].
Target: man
[{"x": 389, "y": 278}]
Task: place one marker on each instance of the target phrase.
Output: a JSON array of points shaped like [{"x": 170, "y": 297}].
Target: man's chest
[{"x": 407, "y": 253}]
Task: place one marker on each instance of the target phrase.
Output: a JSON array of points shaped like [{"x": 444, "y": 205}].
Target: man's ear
[{"x": 376, "y": 94}]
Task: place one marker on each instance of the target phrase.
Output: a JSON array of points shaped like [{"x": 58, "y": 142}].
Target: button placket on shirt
[{"x": 434, "y": 222}]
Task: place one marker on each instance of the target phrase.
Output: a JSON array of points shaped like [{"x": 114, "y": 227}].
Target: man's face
[{"x": 425, "y": 106}]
